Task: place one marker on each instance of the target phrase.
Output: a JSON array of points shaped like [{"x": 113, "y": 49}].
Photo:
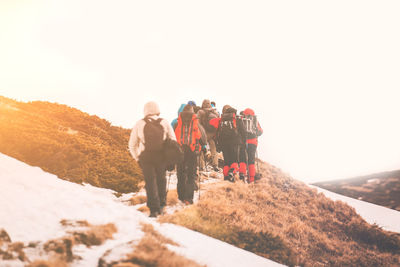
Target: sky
[{"x": 322, "y": 76}]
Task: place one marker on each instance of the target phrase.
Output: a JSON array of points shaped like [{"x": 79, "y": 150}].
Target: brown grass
[
  {"x": 54, "y": 262},
  {"x": 172, "y": 199},
  {"x": 138, "y": 199},
  {"x": 152, "y": 252},
  {"x": 284, "y": 220},
  {"x": 95, "y": 235}
]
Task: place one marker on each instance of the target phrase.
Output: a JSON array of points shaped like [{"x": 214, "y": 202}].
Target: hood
[
  {"x": 151, "y": 108},
  {"x": 181, "y": 108},
  {"x": 186, "y": 116},
  {"x": 206, "y": 104},
  {"x": 228, "y": 109},
  {"x": 248, "y": 111}
]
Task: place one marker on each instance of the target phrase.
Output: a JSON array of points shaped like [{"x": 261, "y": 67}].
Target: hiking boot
[
  {"x": 230, "y": 177},
  {"x": 162, "y": 210},
  {"x": 188, "y": 202},
  {"x": 241, "y": 177},
  {"x": 154, "y": 214}
]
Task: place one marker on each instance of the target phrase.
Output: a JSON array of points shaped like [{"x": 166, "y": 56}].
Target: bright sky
[{"x": 323, "y": 76}]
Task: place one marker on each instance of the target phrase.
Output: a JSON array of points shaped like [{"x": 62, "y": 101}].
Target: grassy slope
[
  {"x": 284, "y": 220},
  {"x": 379, "y": 188},
  {"x": 69, "y": 143}
]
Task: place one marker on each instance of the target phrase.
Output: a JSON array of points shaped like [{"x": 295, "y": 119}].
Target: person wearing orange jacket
[
  {"x": 190, "y": 135},
  {"x": 247, "y": 154}
]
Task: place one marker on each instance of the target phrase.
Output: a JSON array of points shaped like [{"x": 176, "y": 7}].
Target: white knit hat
[{"x": 151, "y": 108}]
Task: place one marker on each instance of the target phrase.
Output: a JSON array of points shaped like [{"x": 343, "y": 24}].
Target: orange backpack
[{"x": 188, "y": 133}]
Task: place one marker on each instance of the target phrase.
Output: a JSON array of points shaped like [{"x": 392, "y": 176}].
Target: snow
[
  {"x": 386, "y": 218},
  {"x": 34, "y": 202}
]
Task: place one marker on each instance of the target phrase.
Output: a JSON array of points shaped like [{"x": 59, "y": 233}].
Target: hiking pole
[
  {"x": 169, "y": 178},
  {"x": 258, "y": 168},
  {"x": 198, "y": 172}
]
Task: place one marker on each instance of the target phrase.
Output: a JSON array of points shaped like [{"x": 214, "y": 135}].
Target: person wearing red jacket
[{"x": 247, "y": 154}]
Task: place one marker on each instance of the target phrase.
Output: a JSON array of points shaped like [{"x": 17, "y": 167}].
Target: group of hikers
[{"x": 197, "y": 132}]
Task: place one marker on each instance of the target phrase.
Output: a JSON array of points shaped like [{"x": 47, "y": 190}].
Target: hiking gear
[
  {"x": 227, "y": 130},
  {"x": 230, "y": 177},
  {"x": 188, "y": 132},
  {"x": 151, "y": 108},
  {"x": 250, "y": 126},
  {"x": 241, "y": 177},
  {"x": 234, "y": 167},
  {"x": 153, "y": 135},
  {"x": 154, "y": 214},
  {"x": 137, "y": 144},
  {"x": 192, "y": 103},
  {"x": 258, "y": 175},
  {"x": 198, "y": 173},
  {"x": 173, "y": 152}
]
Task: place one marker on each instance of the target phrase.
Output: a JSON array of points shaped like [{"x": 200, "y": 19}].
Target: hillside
[
  {"x": 379, "y": 188},
  {"x": 49, "y": 222},
  {"x": 68, "y": 143},
  {"x": 285, "y": 220}
]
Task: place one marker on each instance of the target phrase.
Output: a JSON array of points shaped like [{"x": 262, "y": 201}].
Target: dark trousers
[
  {"x": 231, "y": 158},
  {"x": 248, "y": 154},
  {"x": 231, "y": 154},
  {"x": 186, "y": 173},
  {"x": 155, "y": 182}
]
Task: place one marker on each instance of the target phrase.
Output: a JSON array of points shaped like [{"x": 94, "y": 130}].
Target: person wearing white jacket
[{"x": 145, "y": 146}]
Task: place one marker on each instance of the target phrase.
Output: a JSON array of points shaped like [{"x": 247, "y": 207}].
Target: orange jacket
[{"x": 194, "y": 133}]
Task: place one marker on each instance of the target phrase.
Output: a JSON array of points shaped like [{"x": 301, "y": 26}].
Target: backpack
[
  {"x": 173, "y": 152},
  {"x": 205, "y": 120},
  {"x": 153, "y": 135},
  {"x": 250, "y": 125},
  {"x": 227, "y": 130},
  {"x": 188, "y": 133}
]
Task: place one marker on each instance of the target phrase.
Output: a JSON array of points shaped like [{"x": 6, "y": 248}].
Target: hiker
[
  {"x": 247, "y": 154},
  {"x": 214, "y": 106},
  {"x": 205, "y": 114},
  {"x": 146, "y": 147},
  {"x": 229, "y": 138},
  {"x": 175, "y": 121},
  {"x": 193, "y": 104},
  {"x": 190, "y": 137}
]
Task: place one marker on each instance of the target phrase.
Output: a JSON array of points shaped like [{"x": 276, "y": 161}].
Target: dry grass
[
  {"x": 172, "y": 199},
  {"x": 284, "y": 220},
  {"x": 152, "y": 252},
  {"x": 54, "y": 262},
  {"x": 95, "y": 235},
  {"x": 138, "y": 199}
]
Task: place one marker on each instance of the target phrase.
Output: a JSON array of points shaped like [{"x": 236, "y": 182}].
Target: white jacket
[{"x": 136, "y": 140}]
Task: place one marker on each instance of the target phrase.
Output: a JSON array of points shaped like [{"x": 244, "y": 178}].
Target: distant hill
[
  {"x": 379, "y": 188},
  {"x": 69, "y": 143}
]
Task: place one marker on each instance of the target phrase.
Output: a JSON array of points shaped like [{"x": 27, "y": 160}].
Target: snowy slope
[
  {"x": 33, "y": 202},
  {"x": 387, "y": 218}
]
